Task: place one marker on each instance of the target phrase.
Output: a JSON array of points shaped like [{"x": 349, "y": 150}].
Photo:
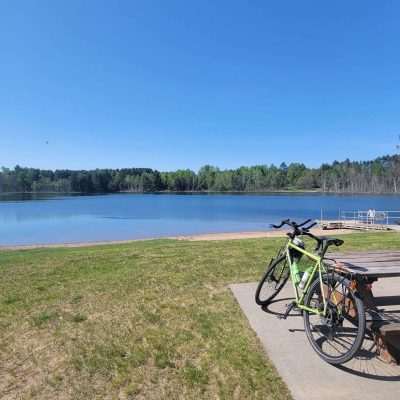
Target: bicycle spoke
[
  {"x": 337, "y": 333},
  {"x": 273, "y": 281}
]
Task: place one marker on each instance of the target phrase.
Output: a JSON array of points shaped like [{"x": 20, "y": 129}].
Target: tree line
[{"x": 381, "y": 175}]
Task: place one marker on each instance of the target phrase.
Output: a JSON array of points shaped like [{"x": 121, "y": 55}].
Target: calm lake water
[{"x": 59, "y": 219}]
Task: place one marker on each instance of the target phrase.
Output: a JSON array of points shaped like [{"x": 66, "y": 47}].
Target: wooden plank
[
  {"x": 372, "y": 263},
  {"x": 365, "y": 261},
  {"x": 369, "y": 266},
  {"x": 369, "y": 272},
  {"x": 362, "y": 255},
  {"x": 372, "y": 272},
  {"x": 368, "y": 260},
  {"x": 369, "y": 263},
  {"x": 375, "y": 256},
  {"x": 365, "y": 253},
  {"x": 373, "y": 259}
]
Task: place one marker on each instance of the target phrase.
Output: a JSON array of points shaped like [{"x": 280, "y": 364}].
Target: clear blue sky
[{"x": 176, "y": 84}]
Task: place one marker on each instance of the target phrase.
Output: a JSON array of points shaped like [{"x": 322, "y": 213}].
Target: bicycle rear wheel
[
  {"x": 338, "y": 335},
  {"x": 272, "y": 281}
]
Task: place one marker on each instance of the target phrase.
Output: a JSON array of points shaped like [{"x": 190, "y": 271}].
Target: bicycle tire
[
  {"x": 279, "y": 281},
  {"x": 353, "y": 303}
]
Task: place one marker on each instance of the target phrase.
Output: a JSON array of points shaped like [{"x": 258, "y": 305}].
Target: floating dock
[
  {"x": 371, "y": 220},
  {"x": 357, "y": 225}
]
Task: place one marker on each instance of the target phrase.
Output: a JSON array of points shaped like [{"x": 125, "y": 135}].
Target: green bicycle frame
[{"x": 317, "y": 268}]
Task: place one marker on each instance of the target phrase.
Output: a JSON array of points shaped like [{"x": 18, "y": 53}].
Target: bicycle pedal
[{"x": 287, "y": 312}]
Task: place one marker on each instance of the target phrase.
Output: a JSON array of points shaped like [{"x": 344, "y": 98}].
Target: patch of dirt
[{"x": 35, "y": 359}]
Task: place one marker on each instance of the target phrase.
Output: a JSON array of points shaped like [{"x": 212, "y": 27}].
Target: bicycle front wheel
[
  {"x": 272, "y": 281},
  {"x": 337, "y": 335}
]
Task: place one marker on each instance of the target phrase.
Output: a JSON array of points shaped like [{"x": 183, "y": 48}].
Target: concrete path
[{"x": 307, "y": 376}]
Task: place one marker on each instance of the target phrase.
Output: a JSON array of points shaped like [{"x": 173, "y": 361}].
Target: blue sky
[{"x": 179, "y": 84}]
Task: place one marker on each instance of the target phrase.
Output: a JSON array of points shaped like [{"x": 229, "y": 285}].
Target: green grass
[{"x": 147, "y": 320}]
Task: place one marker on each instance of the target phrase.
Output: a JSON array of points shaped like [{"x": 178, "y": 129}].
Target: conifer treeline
[{"x": 381, "y": 175}]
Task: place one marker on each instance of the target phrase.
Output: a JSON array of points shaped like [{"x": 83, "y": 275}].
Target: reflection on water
[{"x": 39, "y": 218}]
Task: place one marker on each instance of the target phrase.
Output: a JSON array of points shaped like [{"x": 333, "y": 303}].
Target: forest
[{"x": 381, "y": 175}]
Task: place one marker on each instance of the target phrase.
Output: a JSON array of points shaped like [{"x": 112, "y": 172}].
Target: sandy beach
[
  {"x": 200, "y": 237},
  {"x": 256, "y": 235}
]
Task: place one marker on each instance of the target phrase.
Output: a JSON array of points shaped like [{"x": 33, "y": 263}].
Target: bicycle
[{"x": 333, "y": 312}]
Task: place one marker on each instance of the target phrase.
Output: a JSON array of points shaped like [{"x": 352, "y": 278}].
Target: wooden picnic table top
[{"x": 374, "y": 264}]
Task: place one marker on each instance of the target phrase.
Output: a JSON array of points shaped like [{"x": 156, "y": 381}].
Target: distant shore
[
  {"x": 169, "y": 192},
  {"x": 205, "y": 192},
  {"x": 192, "y": 238}
]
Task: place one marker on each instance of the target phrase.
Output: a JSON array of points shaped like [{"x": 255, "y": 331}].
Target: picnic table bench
[{"x": 365, "y": 268}]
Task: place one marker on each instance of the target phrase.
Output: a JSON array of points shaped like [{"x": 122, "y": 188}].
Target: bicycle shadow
[
  {"x": 366, "y": 364},
  {"x": 278, "y": 306}
]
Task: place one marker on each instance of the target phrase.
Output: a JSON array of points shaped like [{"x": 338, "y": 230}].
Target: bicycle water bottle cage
[{"x": 295, "y": 255}]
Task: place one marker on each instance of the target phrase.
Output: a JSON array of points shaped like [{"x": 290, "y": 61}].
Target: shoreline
[
  {"x": 190, "y": 238},
  {"x": 208, "y": 192}
]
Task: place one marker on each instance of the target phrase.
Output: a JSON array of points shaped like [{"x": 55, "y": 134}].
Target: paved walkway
[{"x": 307, "y": 376}]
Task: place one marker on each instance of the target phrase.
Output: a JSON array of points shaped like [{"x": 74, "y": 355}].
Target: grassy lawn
[{"x": 147, "y": 320}]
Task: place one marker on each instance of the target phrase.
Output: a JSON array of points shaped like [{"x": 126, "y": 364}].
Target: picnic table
[
  {"x": 365, "y": 268},
  {"x": 371, "y": 264}
]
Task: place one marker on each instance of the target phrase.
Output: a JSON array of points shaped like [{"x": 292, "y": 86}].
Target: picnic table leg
[{"x": 385, "y": 335}]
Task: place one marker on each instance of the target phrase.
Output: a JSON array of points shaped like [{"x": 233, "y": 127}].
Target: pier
[{"x": 364, "y": 221}]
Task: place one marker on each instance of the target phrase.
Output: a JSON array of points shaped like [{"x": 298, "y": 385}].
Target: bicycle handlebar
[
  {"x": 299, "y": 229},
  {"x": 304, "y": 223},
  {"x": 293, "y": 224},
  {"x": 310, "y": 226},
  {"x": 284, "y": 222}
]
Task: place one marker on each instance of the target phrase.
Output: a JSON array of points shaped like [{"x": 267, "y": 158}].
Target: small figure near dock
[{"x": 371, "y": 213}]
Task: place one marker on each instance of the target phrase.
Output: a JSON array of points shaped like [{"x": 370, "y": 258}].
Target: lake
[{"x": 43, "y": 219}]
